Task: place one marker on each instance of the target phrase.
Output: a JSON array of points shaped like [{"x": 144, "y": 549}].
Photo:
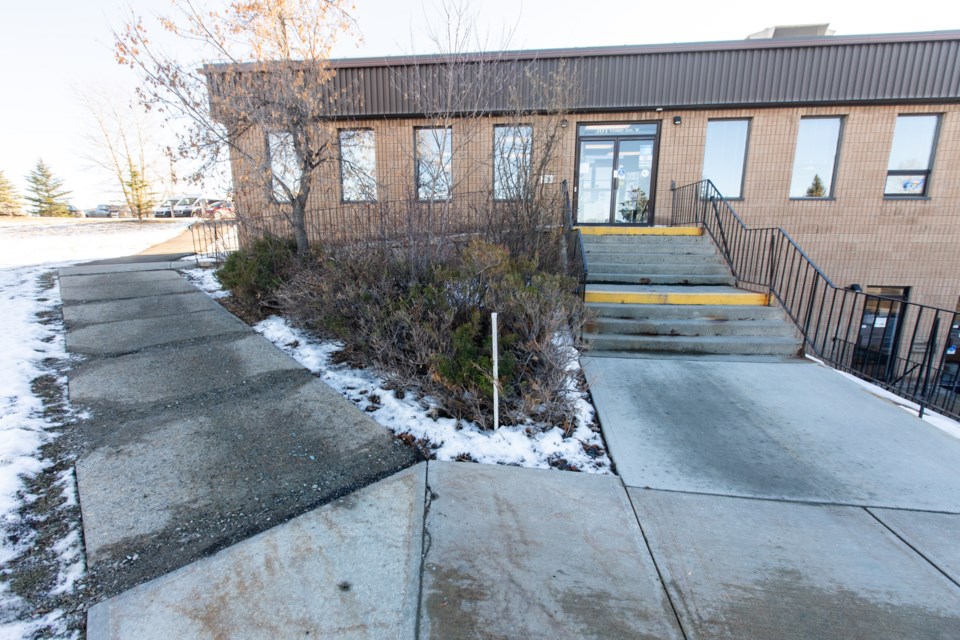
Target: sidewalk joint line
[
  {"x": 425, "y": 543},
  {"x": 656, "y": 565},
  {"x": 810, "y": 503},
  {"x": 912, "y": 547}
]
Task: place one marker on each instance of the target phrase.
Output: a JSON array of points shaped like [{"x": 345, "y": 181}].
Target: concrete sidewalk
[
  {"x": 780, "y": 500},
  {"x": 202, "y": 432},
  {"x": 227, "y": 493}
]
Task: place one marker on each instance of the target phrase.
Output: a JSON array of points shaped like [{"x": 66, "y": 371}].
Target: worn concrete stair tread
[
  {"x": 621, "y": 231},
  {"x": 653, "y": 257},
  {"x": 693, "y": 248},
  {"x": 660, "y": 278},
  {"x": 706, "y": 311},
  {"x": 692, "y": 327},
  {"x": 765, "y": 345},
  {"x": 717, "y": 267},
  {"x": 650, "y": 294}
]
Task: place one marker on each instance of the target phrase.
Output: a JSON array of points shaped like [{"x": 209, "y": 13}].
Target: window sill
[
  {"x": 893, "y": 197},
  {"x": 830, "y": 199}
]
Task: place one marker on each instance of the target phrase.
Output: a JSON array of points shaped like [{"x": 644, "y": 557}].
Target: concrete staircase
[{"x": 667, "y": 290}]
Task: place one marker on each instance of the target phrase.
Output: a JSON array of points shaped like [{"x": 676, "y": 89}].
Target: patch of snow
[
  {"x": 29, "y": 249},
  {"x": 206, "y": 281},
  {"x": 529, "y": 445},
  {"x": 944, "y": 423},
  {"x": 25, "y": 345},
  {"x": 57, "y": 242}
]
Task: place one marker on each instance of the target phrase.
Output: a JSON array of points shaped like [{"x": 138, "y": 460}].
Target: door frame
[{"x": 616, "y": 151}]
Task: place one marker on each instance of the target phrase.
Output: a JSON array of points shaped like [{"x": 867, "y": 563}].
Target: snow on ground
[
  {"x": 448, "y": 438},
  {"x": 35, "y": 241},
  {"x": 945, "y": 424},
  {"x": 30, "y": 250}
]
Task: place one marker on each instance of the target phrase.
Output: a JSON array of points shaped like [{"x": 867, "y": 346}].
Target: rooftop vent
[{"x": 793, "y": 31}]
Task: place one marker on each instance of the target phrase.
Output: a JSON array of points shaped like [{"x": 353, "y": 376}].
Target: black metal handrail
[
  {"x": 901, "y": 346},
  {"x": 576, "y": 256},
  {"x": 214, "y": 240}
]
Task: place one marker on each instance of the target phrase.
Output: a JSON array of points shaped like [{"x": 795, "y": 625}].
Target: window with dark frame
[
  {"x": 512, "y": 154},
  {"x": 725, "y": 154},
  {"x": 434, "y": 165},
  {"x": 358, "y": 165},
  {"x": 911, "y": 155},
  {"x": 285, "y": 170},
  {"x": 815, "y": 159}
]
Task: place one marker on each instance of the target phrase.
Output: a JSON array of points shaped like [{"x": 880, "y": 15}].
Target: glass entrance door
[
  {"x": 615, "y": 175},
  {"x": 632, "y": 180},
  {"x": 595, "y": 185}
]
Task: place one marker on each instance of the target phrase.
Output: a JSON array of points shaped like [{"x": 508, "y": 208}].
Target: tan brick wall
[{"x": 858, "y": 236}]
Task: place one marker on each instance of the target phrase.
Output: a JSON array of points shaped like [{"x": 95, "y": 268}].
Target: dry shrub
[{"x": 430, "y": 328}]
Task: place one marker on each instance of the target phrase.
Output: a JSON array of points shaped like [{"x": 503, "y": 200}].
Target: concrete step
[
  {"x": 692, "y": 327},
  {"x": 741, "y": 345},
  {"x": 652, "y": 257},
  {"x": 694, "y": 295},
  {"x": 704, "y": 267},
  {"x": 661, "y": 278},
  {"x": 679, "y": 244},
  {"x": 610, "y": 239},
  {"x": 621, "y": 231},
  {"x": 685, "y": 311}
]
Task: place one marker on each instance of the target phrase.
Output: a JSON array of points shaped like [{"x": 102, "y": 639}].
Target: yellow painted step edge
[
  {"x": 624, "y": 297},
  {"x": 641, "y": 231}
]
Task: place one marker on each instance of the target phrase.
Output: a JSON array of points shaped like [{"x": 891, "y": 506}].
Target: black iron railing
[
  {"x": 214, "y": 240},
  {"x": 907, "y": 348},
  {"x": 576, "y": 257}
]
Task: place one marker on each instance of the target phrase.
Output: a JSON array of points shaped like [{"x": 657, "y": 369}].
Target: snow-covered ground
[
  {"x": 30, "y": 251},
  {"x": 449, "y": 439},
  {"x": 945, "y": 424}
]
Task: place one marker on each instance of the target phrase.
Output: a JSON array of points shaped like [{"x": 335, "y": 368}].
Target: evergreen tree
[
  {"x": 137, "y": 192},
  {"x": 45, "y": 192},
  {"x": 9, "y": 198},
  {"x": 817, "y": 188}
]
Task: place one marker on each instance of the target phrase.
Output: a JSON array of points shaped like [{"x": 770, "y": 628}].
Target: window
[
  {"x": 911, "y": 155},
  {"x": 284, "y": 166},
  {"x": 512, "y": 147},
  {"x": 434, "y": 167},
  {"x": 358, "y": 165},
  {"x": 814, "y": 165},
  {"x": 724, "y": 154}
]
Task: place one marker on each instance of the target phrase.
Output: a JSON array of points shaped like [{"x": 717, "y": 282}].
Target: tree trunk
[{"x": 299, "y": 223}]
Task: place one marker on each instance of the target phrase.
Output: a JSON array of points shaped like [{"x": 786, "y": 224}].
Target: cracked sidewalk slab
[
  {"x": 766, "y": 570},
  {"x": 348, "y": 570},
  {"x": 126, "y": 336},
  {"x": 120, "y": 285},
  {"x": 530, "y": 553},
  {"x": 170, "y": 487},
  {"x": 788, "y": 431},
  {"x": 170, "y": 374},
  {"x": 149, "y": 306},
  {"x": 934, "y": 535}
]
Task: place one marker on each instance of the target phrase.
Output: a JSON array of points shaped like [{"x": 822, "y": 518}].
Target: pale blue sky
[{"x": 52, "y": 50}]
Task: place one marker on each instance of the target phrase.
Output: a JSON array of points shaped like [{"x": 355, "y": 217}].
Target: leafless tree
[
  {"x": 123, "y": 147},
  {"x": 267, "y": 95}
]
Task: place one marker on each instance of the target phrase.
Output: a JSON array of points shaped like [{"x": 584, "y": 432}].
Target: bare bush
[{"x": 430, "y": 329}]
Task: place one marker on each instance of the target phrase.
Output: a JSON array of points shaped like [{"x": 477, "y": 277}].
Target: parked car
[
  {"x": 107, "y": 211},
  {"x": 74, "y": 212},
  {"x": 165, "y": 208},
  {"x": 190, "y": 206},
  {"x": 218, "y": 210}
]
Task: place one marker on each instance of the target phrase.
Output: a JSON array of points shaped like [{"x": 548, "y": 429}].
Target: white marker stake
[{"x": 496, "y": 376}]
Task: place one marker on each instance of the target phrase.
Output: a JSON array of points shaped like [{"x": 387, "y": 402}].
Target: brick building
[{"x": 850, "y": 143}]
